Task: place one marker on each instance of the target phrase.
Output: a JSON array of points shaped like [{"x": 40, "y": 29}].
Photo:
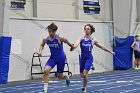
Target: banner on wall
[
  {"x": 91, "y": 6},
  {"x": 18, "y": 4},
  {"x": 5, "y": 47},
  {"x": 123, "y": 53}
]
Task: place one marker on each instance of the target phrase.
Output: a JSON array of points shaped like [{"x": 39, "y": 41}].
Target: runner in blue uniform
[
  {"x": 55, "y": 43},
  {"x": 136, "y": 47},
  {"x": 86, "y": 58}
]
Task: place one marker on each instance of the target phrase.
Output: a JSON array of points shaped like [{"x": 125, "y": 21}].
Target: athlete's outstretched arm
[
  {"x": 42, "y": 46},
  {"x": 77, "y": 42},
  {"x": 102, "y": 47},
  {"x": 62, "y": 39}
]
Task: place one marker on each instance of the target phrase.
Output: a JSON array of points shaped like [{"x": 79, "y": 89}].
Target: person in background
[{"x": 136, "y": 48}]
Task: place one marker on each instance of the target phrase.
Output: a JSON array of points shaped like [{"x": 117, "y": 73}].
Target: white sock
[
  {"x": 45, "y": 86},
  {"x": 67, "y": 78},
  {"x": 84, "y": 87}
]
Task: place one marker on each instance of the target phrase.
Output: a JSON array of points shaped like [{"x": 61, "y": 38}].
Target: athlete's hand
[
  {"x": 72, "y": 48},
  {"x": 40, "y": 54},
  {"x": 135, "y": 49},
  {"x": 113, "y": 53}
]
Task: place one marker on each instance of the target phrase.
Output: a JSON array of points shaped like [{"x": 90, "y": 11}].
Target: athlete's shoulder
[
  {"x": 94, "y": 40},
  {"x": 60, "y": 36},
  {"x": 45, "y": 38},
  {"x": 81, "y": 37}
]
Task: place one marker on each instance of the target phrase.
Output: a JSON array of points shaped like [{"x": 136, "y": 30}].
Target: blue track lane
[{"x": 115, "y": 82}]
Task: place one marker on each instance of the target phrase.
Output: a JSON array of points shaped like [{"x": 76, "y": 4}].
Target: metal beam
[
  {"x": 4, "y": 17},
  {"x": 138, "y": 10},
  {"x": 35, "y": 8},
  {"x": 76, "y": 9}
]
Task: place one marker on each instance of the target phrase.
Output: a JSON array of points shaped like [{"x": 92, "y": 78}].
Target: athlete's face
[
  {"x": 137, "y": 38},
  {"x": 87, "y": 30},
  {"x": 51, "y": 33}
]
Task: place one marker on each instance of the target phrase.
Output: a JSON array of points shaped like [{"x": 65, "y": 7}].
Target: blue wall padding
[
  {"x": 5, "y": 47},
  {"x": 123, "y": 53}
]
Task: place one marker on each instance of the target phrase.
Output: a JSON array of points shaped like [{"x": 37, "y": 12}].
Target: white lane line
[
  {"x": 18, "y": 86},
  {"x": 111, "y": 88},
  {"x": 112, "y": 76},
  {"x": 124, "y": 81},
  {"x": 22, "y": 89},
  {"x": 90, "y": 81},
  {"x": 130, "y": 90},
  {"x": 115, "y": 74}
]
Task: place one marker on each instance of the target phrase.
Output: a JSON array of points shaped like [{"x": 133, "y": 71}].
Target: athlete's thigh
[
  {"x": 88, "y": 63},
  {"x": 50, "y": 63},
  {"x": 82, "y": 65},
  {"x": 60, "y": 64}
]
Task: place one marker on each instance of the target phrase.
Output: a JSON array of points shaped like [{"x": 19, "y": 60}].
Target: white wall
[
  {"x": 122, "y": 17},
  {"x": 28, "y": 11},
  {"x": 4, "y": 17},
  {"x": 135, "y": 16},
  {"x": 62, "y": 9},
  {"x": 138, "y": 9},
  {"x": 28, "y": 34},
  {"x": 1, "y": 16},
  {"x": 65, "y": 9}
]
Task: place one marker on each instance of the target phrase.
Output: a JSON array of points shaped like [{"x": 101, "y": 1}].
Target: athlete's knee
[
  {"x": 85, "y": 75},
  {"x": 46, "y": 72},
  {"x": 59, "y": 76}
]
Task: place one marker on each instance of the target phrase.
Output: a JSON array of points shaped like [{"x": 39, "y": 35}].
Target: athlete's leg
[
  {"x": 48, "y": 67},
  {"x": 136, "y": 63},
  {"x": 136, "y": 59},
  {"x": 87, "y": 67},
  {"x": 60, "y": 69},
  {"x": 85, "y": 78},
  {"x": 47, "y": 70}
]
